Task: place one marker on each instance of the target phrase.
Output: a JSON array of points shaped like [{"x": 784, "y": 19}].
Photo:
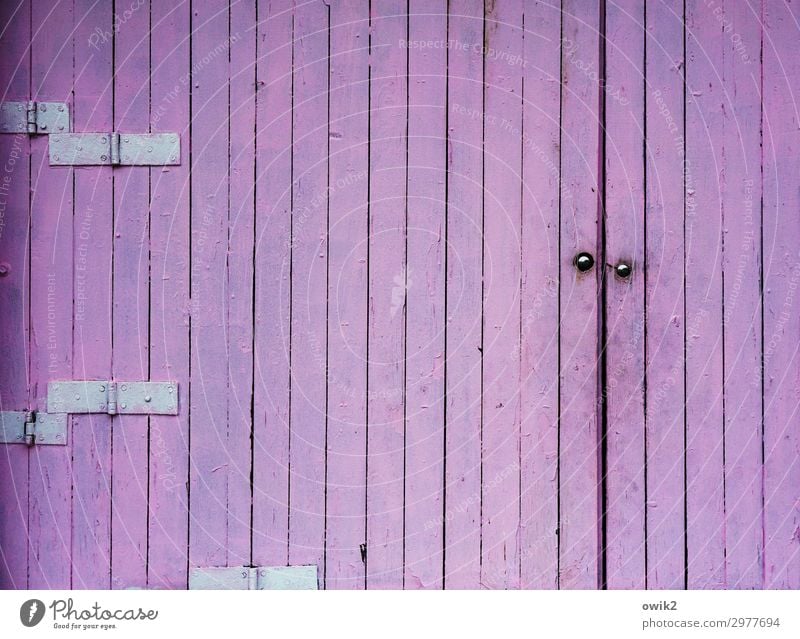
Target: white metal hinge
[
  {"x": 115, "y": 149},
  {"x": 113, "y": 397},
  {"x": 34, "y": 117},
  {"x": 254, "y": 578},
  {"x": 33, "y": 427}
]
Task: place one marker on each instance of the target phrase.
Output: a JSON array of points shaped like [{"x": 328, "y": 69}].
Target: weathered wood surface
[{"x": 361, "y": 277}]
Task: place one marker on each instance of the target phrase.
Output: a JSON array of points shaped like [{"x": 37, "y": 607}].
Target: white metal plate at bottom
[{"x": 259, "y": 578}]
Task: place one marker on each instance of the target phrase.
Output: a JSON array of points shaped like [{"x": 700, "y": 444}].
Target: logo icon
[{"x": 31, "y": 612}]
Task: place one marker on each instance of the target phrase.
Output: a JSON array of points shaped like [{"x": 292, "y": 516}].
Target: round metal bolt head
[
  {"x": 584, "y": 262},
  {"x": 124, "y": 406},
  {"x": 5, "y": 269},
  {"x": 147, "y": 398},
  {"x": 623, "y": 270}
]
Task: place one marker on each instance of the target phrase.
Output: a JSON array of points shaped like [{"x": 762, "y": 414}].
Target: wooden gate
[{"x": 450, "y": 295}]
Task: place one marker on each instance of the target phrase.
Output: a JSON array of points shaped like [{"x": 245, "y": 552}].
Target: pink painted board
[
  {"x": 425, "y": 298},
  {"x": 387, "y": 295},
  {"x": 51, "y": 295},
  {"x": 93, "y": 230},
  {"x": 211, "y": 461},
  {"x": 14, "y": 295},
  {"x": 131, "y": 295},
  {"x": 781, "y": 274},
  {"x": 664, "y": 297},
  {"x": 346, "y": 496},
  {"x": 539, "y": 297},
  {"x": 309, "y": 259},
  {"x": 239, "y": 286},
  {"x": 168, "y": 518},
  {"x": 623, "y": 389},
  {"x": 704, "y": 182},
  {"x": 272, "y": 283},
  {"x": 502, "y": 201},
  {"x": 741, "y": 320},
  {"x": 462, "y": 505},
  {"x": 579, "y": 444}
]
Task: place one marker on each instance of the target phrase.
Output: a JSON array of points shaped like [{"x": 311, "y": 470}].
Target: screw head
[
  {"x": 584, "y": 262},
  {"x": 147, "y": 398},
  {"x": 5, "y": 269},
  {"x": 623, "y": 270}
]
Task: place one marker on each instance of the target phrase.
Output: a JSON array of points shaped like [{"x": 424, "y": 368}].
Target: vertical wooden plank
[
  {"x": 239, "y": 298},
  {"x": 272, "y": 286},
  {"x": 623, "y": 391},
  {"x": 131, "y": 360},
  {"x": 49, "y": 514},
  {"x": 425, "y": 302},
  {"x": 664, "y": 296},
  {"x": 462, "y": 513},
  {"x": 781, "y": 268},
  {"x": 578, "y": 300},
  {"x": 93, "y": 246},
  {"x": 309, "y": 285},
  {"x": 704, "y": 407},
  {"x": 387, "y": 294},
  {"x": 169, "y": 299},
  {"x": 345, "y": 525},
  {"x": 500, "y": 553},
  {"x": 741, "y": 273},
  {"x": 14, "y": 294},
  {"x": 539, "y": 300},
  {"x": 210, "y": 488}
]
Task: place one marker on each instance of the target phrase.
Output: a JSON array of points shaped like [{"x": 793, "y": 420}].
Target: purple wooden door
[{"x": 363, "y": 276}]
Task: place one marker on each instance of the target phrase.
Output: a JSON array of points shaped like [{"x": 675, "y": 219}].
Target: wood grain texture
[
  {"x": 704, "y": 182},
  {"x": 131, "y": 294},
  {"x": 462, "y": 512},
  {"x": 14, "y": 295},
  {"x": 623, "y": 390},
  {"x": 425, "y": 298},
  {"x": 169, "y": 302},
  {"x": 272, "y": 283},
  {"x": 781, "y": 273},
  {"x": 52, "y": 295},
  {"x": 664, "y": 296},
  {"x": 92, "y": 307},
  {"x": 579, "y": 446},
  {"x": 345, "y": 530},
  {"x": 387, "y": 295}
]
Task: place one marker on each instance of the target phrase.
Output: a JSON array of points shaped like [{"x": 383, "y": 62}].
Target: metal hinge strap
[
  {"x": 115, "y": 149},
  {"x": 32, "y": 428},
  {"x": 254, "y": 578},
  {"x": 34, "y": 117},
  {"x": 113, "y": 397}
]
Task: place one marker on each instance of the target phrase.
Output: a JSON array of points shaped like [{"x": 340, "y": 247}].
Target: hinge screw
[
  {"x": 147, "y": 398},
  {"x": 4, "y": 269},
  {"x": 102, "y": 388},
  {"x": 60, "y": 107},
  {"x": 124, "y": 406},
  {"x": 43, "y": 107},
  {"x": 42, "y": 126}
]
